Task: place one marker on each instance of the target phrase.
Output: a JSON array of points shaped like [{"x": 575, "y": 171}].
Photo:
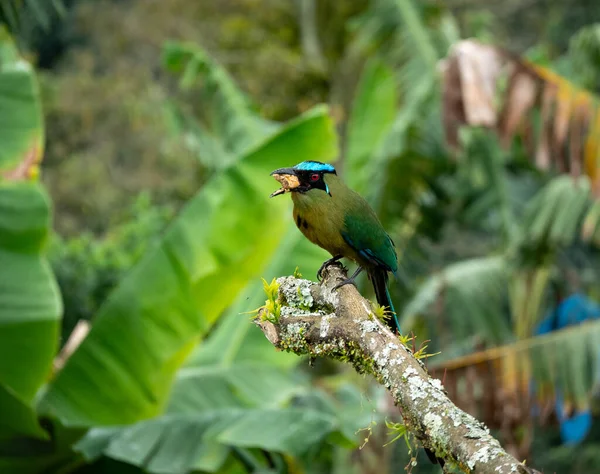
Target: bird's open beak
[{"x": 288, "y": 179}]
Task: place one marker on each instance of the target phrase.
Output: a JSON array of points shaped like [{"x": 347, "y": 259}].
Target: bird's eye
[{"x": 314, "y": 177}]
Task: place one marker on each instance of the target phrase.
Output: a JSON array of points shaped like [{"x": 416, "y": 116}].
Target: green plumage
[{"x": 343, "y": 223}]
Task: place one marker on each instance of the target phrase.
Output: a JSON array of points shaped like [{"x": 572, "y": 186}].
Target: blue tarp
[{"x": 574, "y": 309}]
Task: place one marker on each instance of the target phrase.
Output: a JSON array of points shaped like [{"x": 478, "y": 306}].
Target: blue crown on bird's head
[
  {"x": 315, "y": 166},
  {"x": 303, "y": 177}
]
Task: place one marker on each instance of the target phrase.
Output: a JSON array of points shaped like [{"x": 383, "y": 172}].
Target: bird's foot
[
  {"x": 326, "y": 263},
  {"x": 349, "y": 280}
]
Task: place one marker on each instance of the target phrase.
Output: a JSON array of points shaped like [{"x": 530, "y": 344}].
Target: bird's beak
[{"x": 288, "y": 179}]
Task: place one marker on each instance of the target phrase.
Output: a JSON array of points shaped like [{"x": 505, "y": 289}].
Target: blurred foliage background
[{"x": 162, "y": 120}]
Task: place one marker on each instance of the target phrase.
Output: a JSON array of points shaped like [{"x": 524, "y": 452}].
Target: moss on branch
[{"x": 317, "y": 321}]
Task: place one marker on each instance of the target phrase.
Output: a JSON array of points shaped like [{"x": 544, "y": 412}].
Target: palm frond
[
  {"x": 527, "y": 288},
  {"x": 563, "y": 363},
  {"x": 555, "y": 214},
  {"x": 470, "y": 294}
]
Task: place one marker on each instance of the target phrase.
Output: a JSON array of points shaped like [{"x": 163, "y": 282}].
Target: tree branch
[{"x": 316, "y": 321}]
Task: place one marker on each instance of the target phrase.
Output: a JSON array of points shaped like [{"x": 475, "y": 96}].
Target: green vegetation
[{"x": 149, "y": 217}]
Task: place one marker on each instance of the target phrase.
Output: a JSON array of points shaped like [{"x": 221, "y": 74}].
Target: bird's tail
[{"x": 379, "y": 278}]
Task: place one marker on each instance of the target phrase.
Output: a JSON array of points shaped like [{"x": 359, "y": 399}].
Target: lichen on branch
[{"x": 318, "y": 321}]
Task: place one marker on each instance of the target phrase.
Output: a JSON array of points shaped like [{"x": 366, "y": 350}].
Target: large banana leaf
[
  {"x": 233, "y": 342},
  {"x": 246, "y": 415},
  {"x": 176, "y": 444},
  {"x": 235, "y": 368},
  {"x": 21, "y": 130},
  {"x": 237, "y": 353},
  {"x": 205, "y": 396},
  {"x": 18, "y": 418},
  {"x": 29, "y": 299},
  {"x": 123, "y": 371},
  {"x": 205, "y": 388},
  {"x": 237, "y": 361}
]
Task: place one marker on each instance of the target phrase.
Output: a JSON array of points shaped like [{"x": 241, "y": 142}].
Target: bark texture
[{"x": 316, "y": 321}]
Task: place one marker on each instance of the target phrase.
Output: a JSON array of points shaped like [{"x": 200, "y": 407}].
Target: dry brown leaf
[
  {"x": 26, "y": 169},
  {"x": 592, "y": 153},
  {"x": 479, "y": 67},
  {"x": 580, "y": 125},
  {"x": 521, "y": 97},
  {"x": 542, "y": 155},
  {"x": 567, "y": 135},
  {"x": 79, "y": 333}
]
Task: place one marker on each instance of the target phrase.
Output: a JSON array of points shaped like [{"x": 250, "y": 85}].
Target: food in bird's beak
[{"x": 288, "y": 182}]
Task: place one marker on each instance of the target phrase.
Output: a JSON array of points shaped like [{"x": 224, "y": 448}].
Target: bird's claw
[
  {"x": 326, "y": 263},
  {"x": 349, "y": 280}
]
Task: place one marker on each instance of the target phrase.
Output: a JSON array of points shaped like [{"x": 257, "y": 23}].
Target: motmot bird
[{"x": 339, "y": 220}]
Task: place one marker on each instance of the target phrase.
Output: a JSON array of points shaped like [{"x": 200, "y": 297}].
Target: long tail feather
[{"x": 379, "y": 278}]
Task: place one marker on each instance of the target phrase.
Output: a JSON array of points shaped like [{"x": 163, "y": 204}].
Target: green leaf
[
  {"x": 204, "y": 388},
  {"x": 26, "y": 455},
  {"x": 373, "y": 113},
  {"x": 31, "y": 12},
  {"x": 473, "y": 293},
  {"x": 234, "y": 341},
  {"x": 21, "y": 130},
  {"x": 29, "y": 299},
  {"x": 527, "y": 287},
  {"x": 231, "y": 125},
  {"x": 291, "y": 431},
  {"x": 413, "y": 24},
  {"x": 564, "y": 361},
  {"x": 210, "y": 150},
  {"x": 18, "y": 419},
  {"x": 123, "y": 370},
  {"x": 237, "y": 365},
  {"x": 175, "y": 444},
  {"x": 554, "y": 215},
  {"x": 350, "y": 408}
]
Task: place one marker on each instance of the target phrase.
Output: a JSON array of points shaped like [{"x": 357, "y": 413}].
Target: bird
[{"x": 338, "y": 219}]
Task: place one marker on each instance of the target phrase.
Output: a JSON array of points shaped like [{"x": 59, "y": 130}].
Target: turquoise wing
[{"x": 365, "y": 234}]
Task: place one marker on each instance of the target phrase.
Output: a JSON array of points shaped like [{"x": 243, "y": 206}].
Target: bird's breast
[{"x": 321, "y": 222}]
